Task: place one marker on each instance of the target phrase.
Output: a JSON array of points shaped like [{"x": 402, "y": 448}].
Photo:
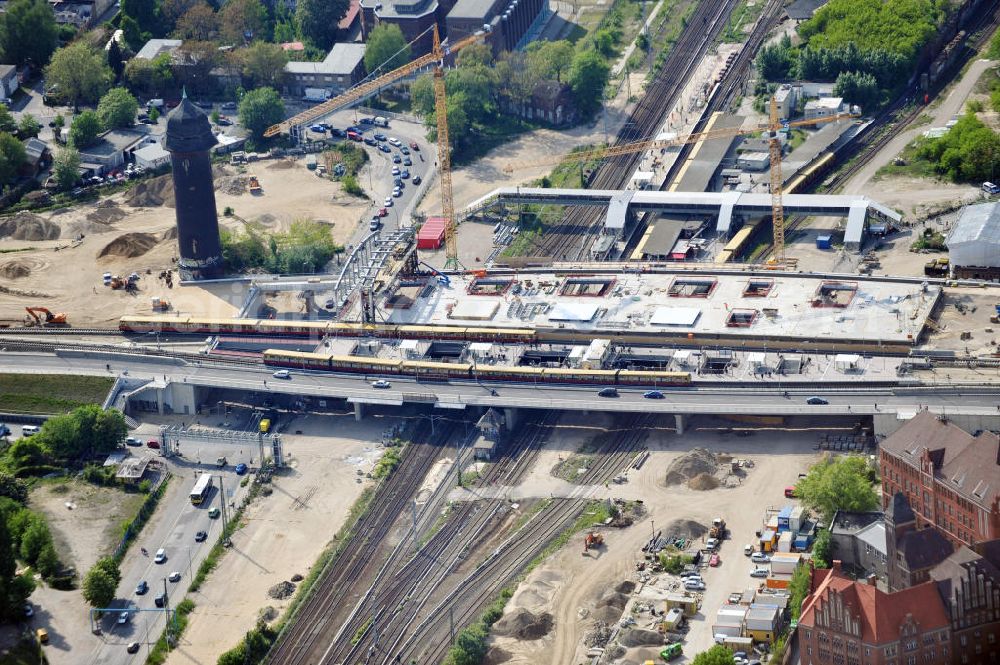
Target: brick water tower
[{"x": 189, "y": 141}]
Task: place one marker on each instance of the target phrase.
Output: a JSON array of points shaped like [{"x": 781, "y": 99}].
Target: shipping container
[{"x": 824, "y": 242}]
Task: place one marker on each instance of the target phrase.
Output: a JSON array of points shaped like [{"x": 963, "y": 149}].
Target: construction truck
[
  {"x": 718, "y": 529},
  {"x": 159, "y": 304},
  {"x": 47, "y": 318},
  {"x": 255, "y": 187},
  {"x": 592, "y": 540},
  {"x": 937, "y": 267}
]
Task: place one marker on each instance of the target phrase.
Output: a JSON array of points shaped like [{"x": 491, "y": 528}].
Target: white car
[
  {"x": 161, "y": 556},
  {"x": 694, "y": 585},
  {"x": 712, "y": 543},
  {"x": 282, "y": 374},
  {"x": 381, "y": 383},
  {"x": 388, "y": 202},
  {"x": 760, "y": 557},
  {"x": 123, "y": 618},
  {"x": 393, "y": 140},
  {"x": 759, "y": 572},
  {"x": 175, "y": 576}
]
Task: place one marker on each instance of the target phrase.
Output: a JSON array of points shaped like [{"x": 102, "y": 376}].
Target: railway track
[
  {"x": 429, "y": 641},
  {"x": 706, "y": 23},
  {"x": 305, "y": 639},
  {"x": 393, "y": 599}
]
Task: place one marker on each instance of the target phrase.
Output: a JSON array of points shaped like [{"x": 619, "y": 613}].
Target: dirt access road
[{"x": 569, "y": 585}]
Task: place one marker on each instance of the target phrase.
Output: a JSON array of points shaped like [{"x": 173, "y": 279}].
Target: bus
[{"x": 201, "y": 488}]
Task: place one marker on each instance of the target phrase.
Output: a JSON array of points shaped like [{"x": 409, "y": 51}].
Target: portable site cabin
[{"x": 686, "y": 603}]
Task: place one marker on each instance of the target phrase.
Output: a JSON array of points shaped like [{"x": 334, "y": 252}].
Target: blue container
[{"x": 823, "y": 242}]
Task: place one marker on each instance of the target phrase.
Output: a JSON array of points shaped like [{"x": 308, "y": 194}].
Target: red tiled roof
[
  {"x": 352, "y": 13},
  {"x": 881, "y": 614},
  {"x": 293, "y": 46}
]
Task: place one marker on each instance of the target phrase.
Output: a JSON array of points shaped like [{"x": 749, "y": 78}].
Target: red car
[
  {"x": 790, "y": 492},
  {"x": 382, "y": 212},
  {"x": 714, "y": 561},
  {"x": 414, "y": 146},
  {"x": 153, "y": 443}
]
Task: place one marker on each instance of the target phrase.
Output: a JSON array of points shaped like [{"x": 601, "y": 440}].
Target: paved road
[
  {"x": 174, "y": 530},
  {"x": 457, "y": 395}
]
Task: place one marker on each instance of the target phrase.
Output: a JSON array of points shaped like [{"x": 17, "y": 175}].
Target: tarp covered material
[
  {"x": 573, "y": 312},
  {"x": 675, "y": 316},
  {"x": 974, "y": 239}
]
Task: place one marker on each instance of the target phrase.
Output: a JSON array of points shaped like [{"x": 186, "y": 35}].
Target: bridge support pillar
[
  {"x": 679, "y": 423},
  {"x": 359, "y": 411},
  {"x": 511, "y": 416},
  {"x": 160, "y": 400}
]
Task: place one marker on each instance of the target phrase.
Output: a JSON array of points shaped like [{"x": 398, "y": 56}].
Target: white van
[
  {"x": 990, "y": 188},
  {"x": 30, "y": 430}
]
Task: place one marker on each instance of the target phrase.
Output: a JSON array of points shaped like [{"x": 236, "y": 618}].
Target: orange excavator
[
  {"x": 592, "y": 540},
  {"x": 49, "y": 319}
]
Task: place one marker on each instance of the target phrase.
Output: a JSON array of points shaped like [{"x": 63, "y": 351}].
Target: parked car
[
  {"x": 379, "y": 136},
  {"x": 383, "y": 212},
  {"x": 694, "y": 585},
  {"x": 370, "y": 141},
  {"x": 228, "y": 106},
  {"x": 375, "y": 224},
  {"x": 223, "y": 121},
  {"x": 397, "y": 192},
  {"x": 29, "y": 611},
  {"x": 790, "y": 492},
  {"x": 241, "y": 469},
  {"x": 141, "y": 588},
  {"x": 714, "y": 561},
  {"x": 385, "y": 148},
  {"x": 319, "y": 129},
  {"x": 760, "y": 557},
  {"x": 395, "y": 170},
  {"x": 407, "y": 161},
  {"x": 396, "y": 142},
  {"x": 607, "y": 392},
  {"x": 282, "y": 374},
  {"x": 416, "y": 180},
  {"x": 133, "y": 647},
  {"x": 816, "y": 400},
  {"x": 381, "y": 383},
  {"x": 404, "y": 150},
  {"x": 653, "y": 394},
  {"x": 200, "y": 537},
  {"x": 712, "y": 544},
  {"x": 405, "y": 175},
  {"x": 388, "y": 202},
  {"x": 132, "y": 441},
  {"x": 759, "y": 572},
  {"x": 396, "y": 159},
  {"x": 153, "y": 443},
  {"x": 747, "y": 550}
]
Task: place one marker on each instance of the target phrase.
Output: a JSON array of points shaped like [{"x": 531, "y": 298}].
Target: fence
[{"x": 145, "y": 512}]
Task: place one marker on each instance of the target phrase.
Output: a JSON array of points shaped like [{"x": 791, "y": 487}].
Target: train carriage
[
  {"x": 594, "y": 376},
  {"x": 365, "y": 365},
  {"x": 297, "y": 359},
  {"x": 508, "y": 373},
  {"x": 436, "y": 370},
  {"x": 627, "y": 377}
]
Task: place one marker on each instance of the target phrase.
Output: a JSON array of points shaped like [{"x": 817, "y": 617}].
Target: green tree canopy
[
  {"x": 969, "y": 151},
  {"x": 7, "y": 121},
  {"x": 549, "y": 61},
  {"x": 117, "y": 108},
  {"x": 821, "y": 549},
  {"x": 146, "y": 14},
  {"x": 261, "y": 108},
  {"x": 84, "y": 131},
  {"x": 717, "y": 655},
  {"x": 13, "y": 488},
  {"x": 318, "y": 20},
  {"x": 858, "y": 88},
  {"x": 587, "y": 76},
  {"x": 12, "y": 158},
  {"x": 200, "y": 23},
  {"x": 81, "y": 73},
  {"x": 775, "y": 62},
  {"x": 66, "y": 168},
  {"x": 99, "y": 587},
  {"x": 116, "y": 61},
  {"x": 35, "y": 539},
  {"x": 28, "y": 32},
  {"x": 387, "y": 48},
  {"x": 841, "y": 484},
  {"x": 149, "y": 77},
  {"x": 242, "y": 21},
  {"x": 265, "y": 64},
  {"x": 110, "y": 566},
  {"x": 28, "y": 127}
]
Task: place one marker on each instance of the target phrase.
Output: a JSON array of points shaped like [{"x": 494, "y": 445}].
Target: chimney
[
  {"x": 836, "y": 566},
  {"x": 871, "y": 580}
]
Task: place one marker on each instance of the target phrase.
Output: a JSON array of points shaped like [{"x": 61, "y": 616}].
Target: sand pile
[
  {"x": 129, "y": 245},
  {"x": 524, "y": 625},
  {"x": 495, "y": 656},
  {"x": 615, "y": 599},
  {"x": 107, "y": 212},
  {"x": 686, "y": 467},
  {"x": 637, "y": 637},
  {"x": 703, "y": 482},
  {"x": 626, "y": 587},
  {"x": 28, "y": 226},
  {"x": 281, "y": 590},
  {"x": 233, "y": 186},
  {"x": 150, "y": 193},
  {"x": 686, "y": 529},
  {"x": 15, "y": 269},
  {"x": 281, "y": 164}
]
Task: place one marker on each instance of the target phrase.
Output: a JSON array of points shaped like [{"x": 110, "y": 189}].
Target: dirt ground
[
  {"x": 284, "y": 533},
  {"x": 64, "y": 273},
  {"x": 569, "y": 585}
]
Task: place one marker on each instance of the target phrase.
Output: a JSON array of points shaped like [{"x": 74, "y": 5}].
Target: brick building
[
  {"x": 911, "y": 552},
  {"x": 845, "y": 622},
  {"x": 969, "y": 584},
  {"x": 949, "y": 477}
]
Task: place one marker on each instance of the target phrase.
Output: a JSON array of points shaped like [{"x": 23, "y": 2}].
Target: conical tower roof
[{"x": 188, "y": 129}]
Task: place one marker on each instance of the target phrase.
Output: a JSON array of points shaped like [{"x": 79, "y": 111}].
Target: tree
[
  {"x": 387, "y": 48},
  {"x": 717, "y": 655},
  {"x": 774, "y": 61},
  {"x": 242, "y": 21},
  {"x": 80, "y": 72},
  {"x": 117, "y": 108},
  {"x": 13, "y": 488},
  {"x": 25, "y": 453},
  {"x": 132, "y": 33},
  {"x": 12, "y": 158},
  {"x": 28, "y": 127},
  {"x": 264, "y": 64},
  {"x": 146, "y": 14},
  {"x": 48, "y": 563},
  {"x": 149, "y": 77},
  {"x": 116, "y": 61},
  {"x": 154, "y": 115},
  {"x": 35, "y": 538},
  {"x": 550, "y": 60},
  {"x": 83, "y": 133},
  {"x": 841, "y": 484},
  {"x": 110, "y": 566},
  {"x": 969, "y": 151},
  {"x": 99, "y": 587},
  {"x": 422, "y": 94},
  {"x": 28, "y": 32},
  {"x": 515, "y": 77},
  {"x": 66, "y": 168},
  {"x": 7, "y": 121},
  {"x": 172, "y": 10},
  {"x": 858, "y": 88},
  {"x": 587, "y": 76},
  {"x": 199, "y": 59},
  {"x": 199, "y": 23},
  {"x": 261, "y": 108},
  {"x": 821, "y": 549},
  {"x": 318, "y": 20},
  {"x": 475, "y": 55}
]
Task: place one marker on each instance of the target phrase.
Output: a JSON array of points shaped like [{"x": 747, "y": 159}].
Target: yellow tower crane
[
  {"x": 368, "y": 88},
  {"x": 770, "y": 129}
]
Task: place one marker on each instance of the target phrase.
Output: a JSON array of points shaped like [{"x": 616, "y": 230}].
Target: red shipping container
[{"x": 431, "y": 234}]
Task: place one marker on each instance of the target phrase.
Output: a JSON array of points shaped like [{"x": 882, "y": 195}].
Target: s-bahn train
[{"x": 429, "y": 370}]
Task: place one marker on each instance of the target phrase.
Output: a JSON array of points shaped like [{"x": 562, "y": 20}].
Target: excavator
[
  {"x": 50, "y": 319},
  {"x": 592, "y": 540}
]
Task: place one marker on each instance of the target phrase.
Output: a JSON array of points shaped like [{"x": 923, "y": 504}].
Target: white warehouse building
[{"x": 974, "y": 242}]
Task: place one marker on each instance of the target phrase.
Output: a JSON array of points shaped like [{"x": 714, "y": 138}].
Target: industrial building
[
  {"x": 342, "y": 68},
  {"x": 974, "y": 243},
  {"x": 509, "y": 21},
  {"x": 415, "y": 19}
]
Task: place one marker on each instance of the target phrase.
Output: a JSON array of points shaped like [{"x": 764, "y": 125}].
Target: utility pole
[
  {"x": 222, "y": 500},
  {"x": 166, "y": 612}
]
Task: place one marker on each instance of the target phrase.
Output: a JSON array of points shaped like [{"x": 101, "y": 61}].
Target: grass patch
[
  {"x": 796, "y": 138},
  {"x": 360, "y": 632},
  {"x": 387, "y": 464},
  {"x": 572, "y": 467},
  {"x": 908, "y": 165},
  {"x": 497, "y": 132},
  {"x": 26, "y": 652},
  {"x": 743, "y": 15},
  {"x": 50, "y": 393},
  {"x": 161, "y": 649}
]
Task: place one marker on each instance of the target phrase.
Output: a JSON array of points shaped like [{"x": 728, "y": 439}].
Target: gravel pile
[
  {"x": 28, "y": 226},
  {"x": 703, "y": 481},
  {"x": 129, "y": 245},
  {"x": 597, "y": 636},
  {"x": 281, "y": 590},
  {"x": 637, "y": 637},
  {"x": 524, "y": 625},
  {"x": 685, "y": 529},
  {"x": 694, "y": 463}
]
